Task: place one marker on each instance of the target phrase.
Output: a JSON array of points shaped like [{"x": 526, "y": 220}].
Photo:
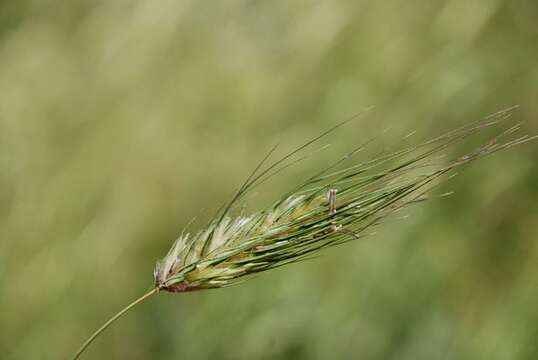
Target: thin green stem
[{"x": 112, "y": 319}]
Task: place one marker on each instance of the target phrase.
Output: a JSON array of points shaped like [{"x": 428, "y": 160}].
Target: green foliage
[{"x": 120, "y": 121}]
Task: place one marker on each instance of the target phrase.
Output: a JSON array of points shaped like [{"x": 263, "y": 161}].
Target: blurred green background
[{"x": 122, "y": 120}]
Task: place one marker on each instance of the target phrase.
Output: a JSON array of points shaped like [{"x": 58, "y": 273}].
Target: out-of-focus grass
[{"x": 122, "y": 120}]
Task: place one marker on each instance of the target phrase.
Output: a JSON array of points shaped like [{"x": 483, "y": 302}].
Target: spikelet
[{"x": 330, "y": 208}]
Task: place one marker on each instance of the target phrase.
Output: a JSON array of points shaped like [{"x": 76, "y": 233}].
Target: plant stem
[{"x": 112, "y": 319}]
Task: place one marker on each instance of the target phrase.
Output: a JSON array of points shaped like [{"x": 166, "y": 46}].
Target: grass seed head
[
  {"x": 336, "y": 205},
  {"x": 333, "y": 207}
]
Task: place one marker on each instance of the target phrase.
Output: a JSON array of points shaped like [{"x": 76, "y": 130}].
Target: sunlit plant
[{"x": 341, "y": 203}]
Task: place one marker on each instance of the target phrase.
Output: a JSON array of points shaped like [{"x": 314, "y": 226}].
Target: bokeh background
[{"x": 121, "y": 120}]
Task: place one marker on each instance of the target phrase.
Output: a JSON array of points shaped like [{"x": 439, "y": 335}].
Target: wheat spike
[{"x": 312, "y": 216}]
